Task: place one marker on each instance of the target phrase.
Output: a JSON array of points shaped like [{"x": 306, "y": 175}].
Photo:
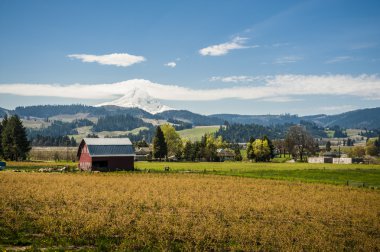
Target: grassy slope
[
  {"x": 196, "y": 133},
  {"x": 118, "y": 133}
]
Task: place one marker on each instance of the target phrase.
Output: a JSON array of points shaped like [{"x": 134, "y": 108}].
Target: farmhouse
[
  {"x": 324, "y": 160},
  {"x": 105, "y": 154},
  {"x": 143, "y": 153},
  {"x": 225, "y": 154}
]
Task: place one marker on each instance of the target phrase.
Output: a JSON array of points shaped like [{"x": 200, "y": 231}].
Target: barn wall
[
  {"x": 316, "y": 160},
  {"x": 85, "y": 161},
  {"x": 342, "y": 160},
  {"x": 116, "y": 163}
]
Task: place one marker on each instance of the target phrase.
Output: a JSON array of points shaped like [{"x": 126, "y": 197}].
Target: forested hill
[
  {"x": 3, "y": 112},
  {"x": 362, "y": 118},
  {"x": 190, "y": 117},
  {"x": 265, "y": 120},
  {"x": 43, "y": 111},
  {"x": 241, "y": 133}
]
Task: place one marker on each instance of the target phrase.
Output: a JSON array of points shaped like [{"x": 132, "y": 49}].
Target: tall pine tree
[
  {"x": 14, "y": 141},
  {"x": 160, "y": 148},
  {"x": 1, "y": 129}
]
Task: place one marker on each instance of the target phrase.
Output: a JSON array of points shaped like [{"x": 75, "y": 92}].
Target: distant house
[
  {"x": 143, "y": 153},
  {"x": 225, "y": 154},
  {"x": 324, "y": 160},
  {"x": 105, "y": 154}
]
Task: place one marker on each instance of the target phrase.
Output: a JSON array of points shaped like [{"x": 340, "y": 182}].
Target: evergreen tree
[
  {"x": 188, "y": 151},
  {"x": 250, "y": 152},
  {"x": 14, "y": 141},
  {"x": 73, "y": 143},
  {"x": 160, "y": 149},
  {"x": 238, "y": 156},
  {"x": 1, "y": 148},
  {"x": 328, "y": 146}
]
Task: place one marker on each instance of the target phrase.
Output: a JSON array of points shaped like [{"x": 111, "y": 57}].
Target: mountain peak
[{"x": 138, "y": 98}]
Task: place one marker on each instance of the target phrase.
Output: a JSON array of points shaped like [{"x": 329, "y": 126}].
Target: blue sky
[{"x": 246, "y": 57}]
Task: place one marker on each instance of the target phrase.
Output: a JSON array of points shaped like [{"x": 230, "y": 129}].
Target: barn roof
[
  {"x": 107, "y": 147},
  {"x": 107, "y": 141}
]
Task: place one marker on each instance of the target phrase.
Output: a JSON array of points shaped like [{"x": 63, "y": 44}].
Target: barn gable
[{"x": 106, "y": 154}]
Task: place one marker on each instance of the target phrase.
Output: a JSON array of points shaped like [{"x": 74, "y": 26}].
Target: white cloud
[
  {"x": 116, "y": 59},
  {"x": 339, "y": 59},
  {"x": 287, "y": 60},
  {"x": 171, "y": 64},
  {"x": 281, "y": 99},
  {"x": 363, "y": 45},
  {"x": 337, "y": 109},
  {"x": 237, "y": 79},
  {"x": 222, "y": 49},
  {"x": 271, "y": 88}
]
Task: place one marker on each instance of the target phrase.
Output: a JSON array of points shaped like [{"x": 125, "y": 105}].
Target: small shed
[{"x": 105, "y": 154}]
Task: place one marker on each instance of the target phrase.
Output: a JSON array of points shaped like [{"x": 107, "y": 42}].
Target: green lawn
[
  {"x": 196, "y": 133},
  {"x": 355, "y": 174}
]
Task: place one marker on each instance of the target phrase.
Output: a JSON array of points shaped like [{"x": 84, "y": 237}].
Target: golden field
[{"x": 129, "y": 211}]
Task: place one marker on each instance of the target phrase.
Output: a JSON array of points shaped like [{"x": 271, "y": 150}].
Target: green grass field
[
  {"x": 196, "y": 133},
  {"x": 119, "y": 133},
  {"x": 358, "y": 175},
  {"x": 355, "y": 174}
]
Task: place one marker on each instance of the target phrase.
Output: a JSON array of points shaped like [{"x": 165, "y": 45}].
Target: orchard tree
[
  {"x": 357, "y": 151},
  {"x": 299, "y": 142},
  {"x": 373, "y": 147},
  {"x": 160, "y": 149},
  {"x": 261, "y": 150},
  {"x": 280, "y": 146},
  {"x": 211, "y": 147},
  {"x": 173, "y": 140}
]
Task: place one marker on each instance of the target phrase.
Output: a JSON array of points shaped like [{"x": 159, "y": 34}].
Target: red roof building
[{"x": 105, "y": 154}]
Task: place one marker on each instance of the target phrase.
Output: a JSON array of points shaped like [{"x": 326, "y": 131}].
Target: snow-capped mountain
[{"x": 137, "y": 98}]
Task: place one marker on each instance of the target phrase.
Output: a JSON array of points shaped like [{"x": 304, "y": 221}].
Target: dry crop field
[{"x": 129, "y": 211}]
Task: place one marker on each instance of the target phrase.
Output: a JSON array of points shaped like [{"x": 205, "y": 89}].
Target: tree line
[
  {"x": 298, "y": 143},
  {"x": 53, "y": 141},
  {"x": 119, "y": 122},
  {"x": 59, "y": 128},
  {"x": 14, "y": 144},
  {"x": 168, "y": 144}
]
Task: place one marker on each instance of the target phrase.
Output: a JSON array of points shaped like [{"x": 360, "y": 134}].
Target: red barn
[{"x": 105, "y": 154}]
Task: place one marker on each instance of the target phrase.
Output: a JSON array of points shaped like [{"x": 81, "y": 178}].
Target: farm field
[
  {"x": 130, "y": 211},
  {"x": 357, "y": 175},
  {"x": 354, "y": 174},
  {"x": 196, "y": 133},
  {"x": 53, "y": 153}
]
